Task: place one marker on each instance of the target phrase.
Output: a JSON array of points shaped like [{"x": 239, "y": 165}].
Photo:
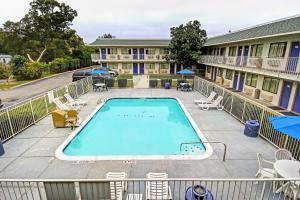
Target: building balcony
[
  {"x": 129, "y": 57},
  {"x": 288, "y": 68}
]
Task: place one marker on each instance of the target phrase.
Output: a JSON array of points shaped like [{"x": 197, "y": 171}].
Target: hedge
[
  {"x": 122, "y": 83},
  {"x": 153, "y": 83},
  {"x": 110, "y": 82}
]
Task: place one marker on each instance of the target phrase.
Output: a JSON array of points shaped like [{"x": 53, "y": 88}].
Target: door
[
  {"x": 103, "y": 53},
  {"x": 215, "y": 74},
  {"x": 141, "y": 53},
  {"x": 141, "y": 68},
  {"x": 135, "y": 68},
  {"x": 172, "y": 68},
  {"x": 293, "y": 57},
  {"x": 296, "y": 106},
  {"x": 245, "y": 55},
  {"x": 135, "y": 53},
  {"x": 235, "y": 79},
  {"x": 285, "y": 94},
  {"x": 241, "y": 83},
  {"x": 239, "y": 55}
]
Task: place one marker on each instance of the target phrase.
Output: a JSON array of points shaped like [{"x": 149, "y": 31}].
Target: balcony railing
[
  {"x": 284, "y": 66},
  {"x": 98, "y": 57}
]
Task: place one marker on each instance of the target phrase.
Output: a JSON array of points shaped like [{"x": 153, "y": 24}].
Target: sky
[{"x": 153, "y": 18}]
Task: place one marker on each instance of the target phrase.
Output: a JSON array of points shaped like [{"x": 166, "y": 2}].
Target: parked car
[
  {"x": 77, "y": 75},
  {"x": 113, "y": 73}
]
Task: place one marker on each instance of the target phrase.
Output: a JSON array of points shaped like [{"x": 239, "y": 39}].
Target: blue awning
[
  {"x": 99, "y": 72},
  {"x": 185, "y": 72},
  {"x": 289, "y": 125}
]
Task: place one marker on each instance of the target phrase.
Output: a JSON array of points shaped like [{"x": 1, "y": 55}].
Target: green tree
[
  {"x": 46, "y": 25},
  {"x": 186, "y": 42}
]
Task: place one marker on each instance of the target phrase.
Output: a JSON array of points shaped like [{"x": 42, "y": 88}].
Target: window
[
  {"x": 126, "y": 51},
  {"x": 163, "y": 51},
  {"x": 256, "y": 50},
  {"x": 220, "y": 72},
  {"x": 150, "y": 51},
  {"x": 126, "y": 66},
  {"x": 163, "y": 66},
  {"x": 113, "y": 65},
  {"x": 208, "y": 69},
  {"x": 229, "y": 74},
  {"x": 232, "y": 51},
  {"x": 270, "y": 85},
  {"x": 112, "y": 51},
  {"x": 150, "y": 66},
  {"x": 277, "y": 50},
  {"x": 251, "y": 80}
]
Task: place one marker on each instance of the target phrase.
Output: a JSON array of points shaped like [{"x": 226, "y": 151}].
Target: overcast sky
[{"x": 153, "y": 18}]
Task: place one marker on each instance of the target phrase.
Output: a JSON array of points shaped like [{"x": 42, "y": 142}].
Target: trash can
[
  {"x": 167, "y": 85},
  {"x": 251, "y": 128},
  {"x": 1, "y": 148},
  {"x": 192, "y": 194}
]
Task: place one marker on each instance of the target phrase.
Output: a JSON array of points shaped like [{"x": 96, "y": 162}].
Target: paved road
[{"x": 13, "y": 96}]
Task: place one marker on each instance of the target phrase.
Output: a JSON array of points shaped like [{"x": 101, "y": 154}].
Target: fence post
[
  {"x": 243, "y": 111},
  {"x": 46, "y": 104},
  {"x": 10, "y": 124},
  {"x": 76, "y": 92},
  {"x": 231, "y": 104},
  {"x": 32, "y": 111},
  {"x": 82, "y": 85},
  {"x": 261, "y": 120},
  {"x": 285, "y": 142}
]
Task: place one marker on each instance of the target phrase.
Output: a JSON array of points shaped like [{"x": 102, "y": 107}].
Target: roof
[
  {"x": 5, "y": 56},
  {"x": 284, "y": 26},
  {"x": 129, "y": 42}
]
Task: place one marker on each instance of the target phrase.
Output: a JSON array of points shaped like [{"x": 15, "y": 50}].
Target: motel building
[{"x": 260, "y": 62}]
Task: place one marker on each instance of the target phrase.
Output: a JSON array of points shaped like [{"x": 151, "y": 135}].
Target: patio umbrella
[
  {"x": 289, "y": 125},
  {"x": 185, "y": 72},
  {"x": 99, "y": 72}
]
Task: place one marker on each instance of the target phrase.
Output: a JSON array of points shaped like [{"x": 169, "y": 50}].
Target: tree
[
  {"x": 46, "y": 25},
  {"x": 107, "y": 35},
  {"x": 186, "y": 42}
]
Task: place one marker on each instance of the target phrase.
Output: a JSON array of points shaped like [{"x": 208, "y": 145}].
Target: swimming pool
[{"x": 136, "y": 128}]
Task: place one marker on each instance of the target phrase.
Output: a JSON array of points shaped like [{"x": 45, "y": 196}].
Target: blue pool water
[{"x": 136, "y": 126}]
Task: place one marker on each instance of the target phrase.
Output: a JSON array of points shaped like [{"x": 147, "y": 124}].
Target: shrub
[
  {"x": 58, "y": 65},
  {"x": 18, "y": 63},
  {"x": 110, "y": 82},
  {"x": 5, "y": 72},
  {"x": 122, "y": 83},
  {"x": 32, "y": 70},
  {"x": 153, "y": 83},
  {"x": 164, "y": 81}
]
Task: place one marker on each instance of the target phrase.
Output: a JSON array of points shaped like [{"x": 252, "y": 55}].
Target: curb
[{"x": 47, "y": 77}]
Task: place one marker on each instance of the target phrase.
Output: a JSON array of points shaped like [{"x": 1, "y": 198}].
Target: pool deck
[{"x": 31, "y": 154}]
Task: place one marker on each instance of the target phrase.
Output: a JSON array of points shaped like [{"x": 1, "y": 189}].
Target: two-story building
[
  {"x": 134, "y": 56},
  {"x": 262, "y": 62}
]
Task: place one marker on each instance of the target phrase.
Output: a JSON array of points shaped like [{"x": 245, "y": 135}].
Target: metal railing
[
  {"x": 95, "y": 189},
  {"x": 16, "y": 118},
  {"x": 244, "y": 109},
  {"x": 281, "y": 67}
]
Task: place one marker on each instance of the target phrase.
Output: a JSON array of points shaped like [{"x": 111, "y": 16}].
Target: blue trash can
[
  {"x": 1, "y": 148},
  {"x": 251, "y": 128},
  {"x": 167, "y": 85},
  {"x": 190, "y": 194}
]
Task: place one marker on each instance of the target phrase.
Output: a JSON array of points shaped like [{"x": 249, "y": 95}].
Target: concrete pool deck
[{"x": 31, "y": 154}]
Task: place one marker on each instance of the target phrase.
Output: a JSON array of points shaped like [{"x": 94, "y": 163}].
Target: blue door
[
  {"x": 239, "y": 55},
  {"x": 135, "y": 53},
  {"x": 172, "y": 68},
  {"x": 235, "y": 79},
  {"x": 141, "y": 68},
  {"x": 285, "y": 94},
  {"x": 294, "y": 57},
  {"x": 241, "y": 83},
  {"x": 245, "y": 55},
  {"x": 296, "y": 106},
  {"x": 103, "y": 53},
  {"x": 135, "y": 68},
  {"x": 141, "y": 54},
  {"x": 104, "y": 65}
]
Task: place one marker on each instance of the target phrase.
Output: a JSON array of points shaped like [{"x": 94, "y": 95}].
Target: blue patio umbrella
[
  {"x": 185, "y": 72},
  {"x": 289, "y": 125},
  {"x": 99, "y": 72}
]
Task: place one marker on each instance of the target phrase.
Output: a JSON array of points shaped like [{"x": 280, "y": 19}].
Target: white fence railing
[
  {"x": 280, "y": 66},
  {"x": 68, "y": 189},
  {"x": 16, "y": 118},
  {"x": 245, "y": 109}
]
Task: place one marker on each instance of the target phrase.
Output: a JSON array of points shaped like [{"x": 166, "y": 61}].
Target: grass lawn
[{"x": 6, "y": 86}]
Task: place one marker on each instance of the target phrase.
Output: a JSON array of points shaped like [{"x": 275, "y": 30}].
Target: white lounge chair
[
  {"x": 75, "y": 102},
  {"x": 63, "y": 106},
  {"x": 215, "y": 104},
  {"x": 209, "y": 99},
  {"x": 157, "y": 188},
  {"x": 117, "y": 188}
]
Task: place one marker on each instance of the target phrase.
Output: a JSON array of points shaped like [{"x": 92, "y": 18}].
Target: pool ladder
[{"x": 225, "y": 146}]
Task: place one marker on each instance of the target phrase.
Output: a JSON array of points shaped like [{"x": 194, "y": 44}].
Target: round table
[{"x": 287, "y": 168}]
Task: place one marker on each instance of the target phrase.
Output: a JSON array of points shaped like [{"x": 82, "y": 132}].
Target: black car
[{"x": 77, "y": 75}]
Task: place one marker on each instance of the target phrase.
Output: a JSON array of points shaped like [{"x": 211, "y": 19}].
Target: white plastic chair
[
  {"x": 283, "y": 154},
  {"x": 156, "y": 188},
  {"x": 209, "y": 99},
  {"x": 215, "y": 104},
  {"x": 117, "y": 187},
  {"x": 264, "y": 172},
  {"x": 75, "y": 102},
  {"x": 63, "y": 106}
]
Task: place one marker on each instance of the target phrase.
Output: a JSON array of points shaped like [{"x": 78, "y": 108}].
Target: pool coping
[{"x": 60, "y": 154}]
